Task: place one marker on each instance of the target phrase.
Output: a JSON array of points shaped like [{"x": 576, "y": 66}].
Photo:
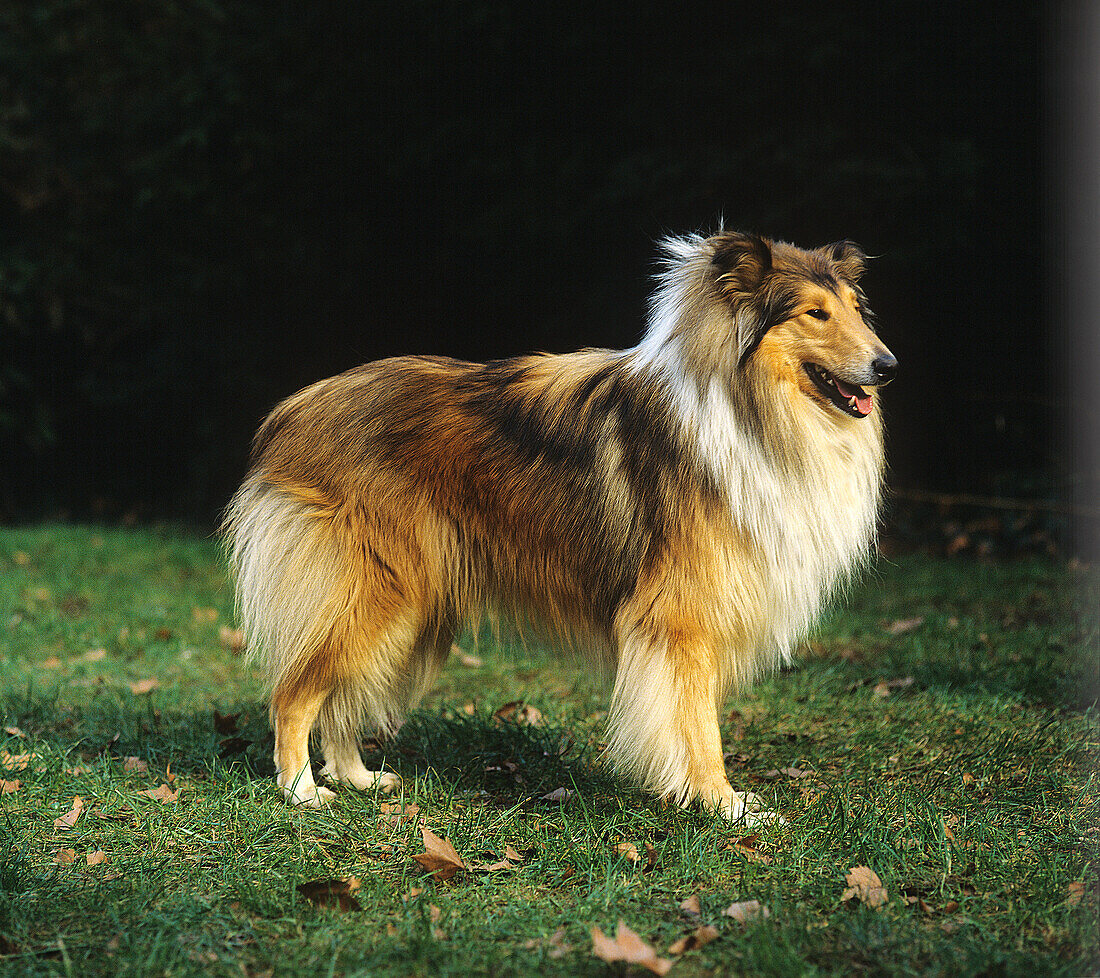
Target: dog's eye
[{"x": 819, "y": 314}]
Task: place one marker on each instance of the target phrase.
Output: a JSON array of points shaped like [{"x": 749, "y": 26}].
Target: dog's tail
[
  {"x": 288, "y": 573},
  {"x": 319, "y": 613}
]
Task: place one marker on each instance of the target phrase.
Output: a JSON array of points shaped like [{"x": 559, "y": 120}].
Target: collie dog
[{"x": 678, "y": 511}]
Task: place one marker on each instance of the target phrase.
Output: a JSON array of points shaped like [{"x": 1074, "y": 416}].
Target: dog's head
[{"x": 801, "y": 316}]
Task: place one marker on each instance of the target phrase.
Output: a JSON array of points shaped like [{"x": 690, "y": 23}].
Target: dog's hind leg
[
  {"x": 294, "y": 708},
  {"x": 394, "y": 682},
  {"x": 340, "y": 724}
]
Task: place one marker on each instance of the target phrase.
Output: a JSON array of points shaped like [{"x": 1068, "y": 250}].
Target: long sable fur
[{"x": 680, "y": 510}]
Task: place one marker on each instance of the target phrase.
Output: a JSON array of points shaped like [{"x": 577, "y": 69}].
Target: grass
[{"x": 938, "y": 730}]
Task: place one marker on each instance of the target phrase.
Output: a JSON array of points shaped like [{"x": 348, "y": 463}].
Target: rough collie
[{"x": 678, "y": 511}]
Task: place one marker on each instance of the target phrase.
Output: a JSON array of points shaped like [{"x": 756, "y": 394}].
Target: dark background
[{"x": 207, "y": 204}]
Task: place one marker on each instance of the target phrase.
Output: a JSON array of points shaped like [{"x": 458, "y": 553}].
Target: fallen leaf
[
  {"x": 627, "y": 946},
  {"x": 64, "y": 857},
  {"x": 434, "y": 913},
  {"x": 887, "y": 686},
  {"x": 746, "y": 912},
  {"x": 94, "y": 655},
  {"x": 143, "y": 686},
  {"x": 701, "y": 937},
  {"x": 97, "y": 857},
  {"x": 231, "y": 638},
  {"x": 394, "y": 812},
  {"x": 204, "y": 614},
  {"x": 69, "y": 819},
  {"x": 439, "y": 857},
  {"x": 7, "y": 787},
  {"x": 14, "y": 762},
  {"x": 333, "y": 893},
  {"x": 226, "y": 723},
  {"x": 163, "y": 794},
  {"x": 510, "y": 861},
  {"x": 559, "y": 947},
  {"x": 50, "y": 662},
  {"x": 1075, "y": 892},
  {"x": 904, "y": 625},
  {"x": 163, "y": 634},
  {"x": 865, "y": 886},
  {"x": 691, "y": 906},
  {"x": 795, "y": 773},
  {"x": 468, "y": 659},
  {"x": 14, "y": 732},
  {"x": 628, "y": 851},
  {"x": 749, "y": 848},
  {"x": 520, "y": 712},
  {"x": 559, "y": 794},
  {"x": 134, "y": 764}
]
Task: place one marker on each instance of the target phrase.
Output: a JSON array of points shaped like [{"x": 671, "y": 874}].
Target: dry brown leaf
[
  {"x": 701, "y": 937},
  {"x": 628, "y": 946},
  {"x": 69, "y": 819},
  {"x": 7, "y": 787},
  {"x": 468, "y": 659},
  {"x": 628, "y": 851},
  {"x": 746, "y": 912},
  {"x": 559, "y": 794},
  {"x": 559, "y": 948},
  {"x": 14, "y": 732},
  {"x": 97, "y": 857},
  {"x": 691, "y": 906},
  {"x": 231, "y": 638},
  {"x": 163, "y": 794},
  {"x": 904, "y": 625},
  {"x": 887, "y": 686},
  {"x": 64, "y": 857},
  {"x": 50, "y": 662},
  {"x": 14, "y": 762},
  {"x": 439, "y": 857},
  {"x": 204, "y": 614},
  {"x": 865, "y": 886},
  {"x": 143, "y": 686},
  {"x": 134, "y": 764},
  {"x": 94, "y": 655},
  {"x": 1075, "y": 893},
  {"x": 510, "y": 861},
  {"x": 520, "y": 712},
  {"x": 749, "y": 848},
  {"x": 333, "y": 893}
]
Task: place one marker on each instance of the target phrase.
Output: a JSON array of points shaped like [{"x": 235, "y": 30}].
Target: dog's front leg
[{"x": 664, "y": 722}]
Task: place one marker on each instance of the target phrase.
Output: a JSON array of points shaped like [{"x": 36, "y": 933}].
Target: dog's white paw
[
  {"x": 748, "y": 809},
  {"x": 384, "y": 781},
  {"x": 301, "y": 790},
  {"x": 356, "y": 775}
]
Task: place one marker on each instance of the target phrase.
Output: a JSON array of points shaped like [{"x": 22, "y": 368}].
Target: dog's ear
[
  {"x": 848, "y": 258},
  {"x": 742, "y": 260}
]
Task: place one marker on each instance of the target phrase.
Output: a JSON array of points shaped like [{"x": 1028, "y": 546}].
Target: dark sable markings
[
  {"x": 519, "y": 418},
  {"x": 775, "y": 304}
]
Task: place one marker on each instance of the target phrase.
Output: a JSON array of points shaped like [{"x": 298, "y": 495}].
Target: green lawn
[{"x": 937, "y": 731}]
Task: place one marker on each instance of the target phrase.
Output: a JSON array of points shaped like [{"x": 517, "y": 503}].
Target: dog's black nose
[{"x": 885, "y": 368}]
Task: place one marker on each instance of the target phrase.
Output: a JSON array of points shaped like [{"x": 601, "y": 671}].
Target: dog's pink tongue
[{"x": 863, "y": 399}]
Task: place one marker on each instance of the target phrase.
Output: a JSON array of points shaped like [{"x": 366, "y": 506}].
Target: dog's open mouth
[{"x": 849, "y": 398}]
